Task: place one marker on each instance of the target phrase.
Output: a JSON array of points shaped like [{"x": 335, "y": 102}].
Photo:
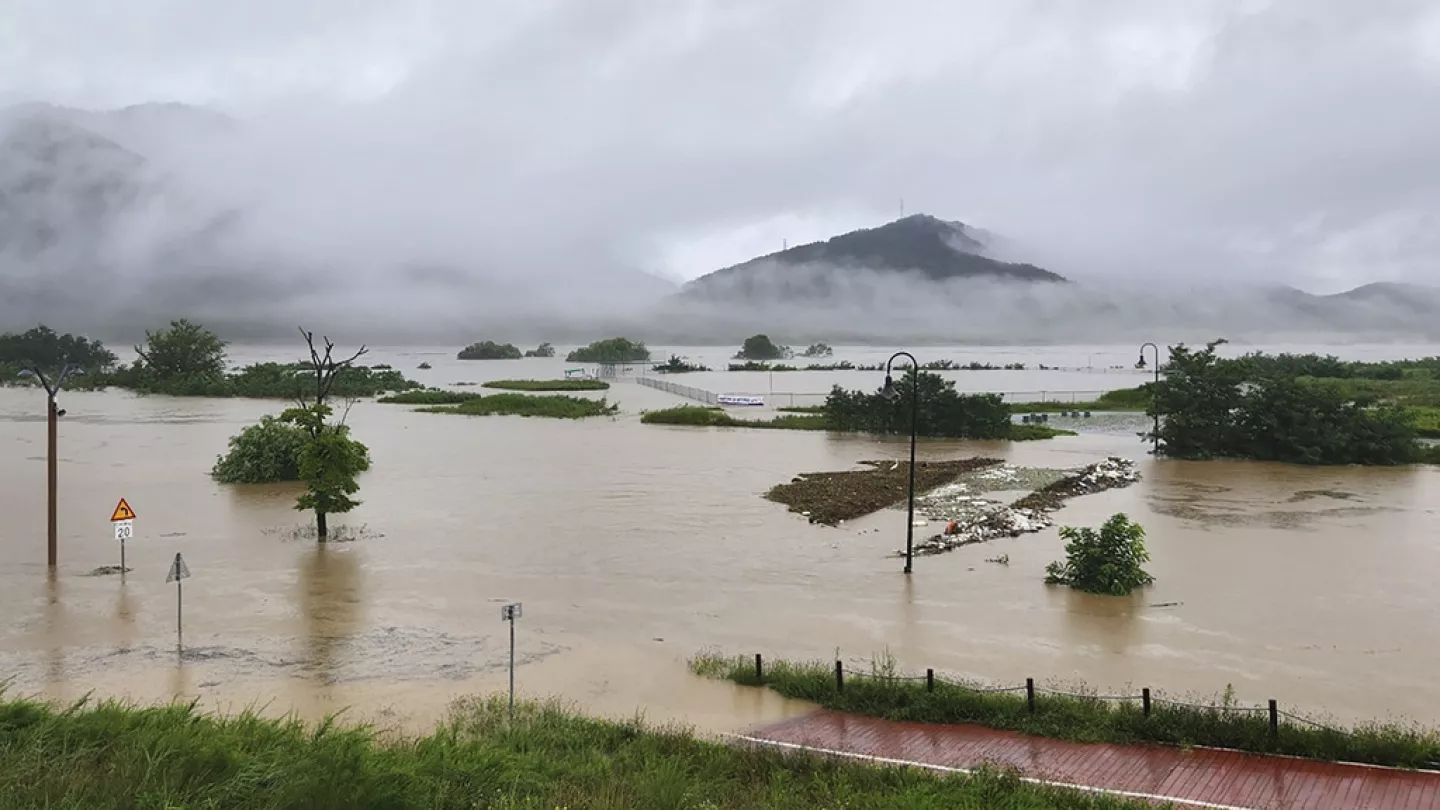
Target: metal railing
[
  {"x": 686, "y": 391},
  {"x": 1033, "y": 694}
]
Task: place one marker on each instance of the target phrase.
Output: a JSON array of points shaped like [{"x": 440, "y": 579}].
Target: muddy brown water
[{"x": 634, "y": 546}]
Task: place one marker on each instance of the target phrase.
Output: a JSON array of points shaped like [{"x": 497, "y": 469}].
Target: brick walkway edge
[{"x": 1194, "y": 777}]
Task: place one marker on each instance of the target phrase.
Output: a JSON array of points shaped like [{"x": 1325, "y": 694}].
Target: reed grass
[{"x": 104, "y": 756}]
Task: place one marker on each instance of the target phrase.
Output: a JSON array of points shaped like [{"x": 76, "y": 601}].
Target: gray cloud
[{"x": 431, "y": 166}]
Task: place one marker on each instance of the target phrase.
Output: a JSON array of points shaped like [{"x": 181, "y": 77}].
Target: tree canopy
[
  {"x": 760, "y": 347},
  {"x": 543, "y": 350},
  {"x": 1258, "y": 407},
  {"x": 942, "y": 411},
  {"x": 185, "y": 358},
  {"x": 49, "y": 350},
  {"x": 489, "y": 350},
  {"x": 611, "y": 350}
]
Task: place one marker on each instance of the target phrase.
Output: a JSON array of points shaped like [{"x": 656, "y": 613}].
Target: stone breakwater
[{"x": 972, "y": 519}]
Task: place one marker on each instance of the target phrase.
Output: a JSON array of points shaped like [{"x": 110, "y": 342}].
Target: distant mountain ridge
[{"x": 918, "y": 245}]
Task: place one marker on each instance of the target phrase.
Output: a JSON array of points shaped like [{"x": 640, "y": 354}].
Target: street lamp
[
  {"x": 1155, "y": 434},
  {"x": 52, "y": 419},
  {"x": 889, "y": 392}
]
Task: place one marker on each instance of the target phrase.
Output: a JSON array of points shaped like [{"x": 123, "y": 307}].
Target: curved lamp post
[
  {"x": 52, "y": 387},
  {"x": 889, "y": 392},
  {"x": 1155, "y": 434}
]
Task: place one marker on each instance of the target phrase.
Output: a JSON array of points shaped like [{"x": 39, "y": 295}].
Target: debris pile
[
  {"x": 831, "y": 498},
  {"x": 977, "y": 520}
]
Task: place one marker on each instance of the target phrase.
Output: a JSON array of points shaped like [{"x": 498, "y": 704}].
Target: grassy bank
[
  {"x": 112, "y": 756},
  {"x": 547, "y": 385},
  {"x": 701, "y": 416},
  {"x": 1123, "y": 399},
  {"x": 797, "y": 419},
  {"x": 554, "y": 406},
  {"x": 429, "y": 396},
  {"x": 884, "y": 694}
]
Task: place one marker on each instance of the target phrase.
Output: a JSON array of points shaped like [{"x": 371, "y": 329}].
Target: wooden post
[
  {"x": 51, "y": 477},
  {"x": 929, "y": 680},
  {"x": 1274, "y": 718},
  {"x": 839, "y": 677},
  {"x": 1030, "y": 694},
  {"x": 759, "y": 669},
  {"x": 1145, "y": 700}
]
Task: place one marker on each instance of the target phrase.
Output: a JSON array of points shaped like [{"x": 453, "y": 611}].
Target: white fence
[{"x": 686, "y": 391}]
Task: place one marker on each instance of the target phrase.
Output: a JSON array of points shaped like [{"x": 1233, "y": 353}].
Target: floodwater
[{"x": 632, "y": 547}]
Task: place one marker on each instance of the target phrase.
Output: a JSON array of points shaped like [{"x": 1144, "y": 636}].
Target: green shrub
[
  {"x": 759, "y": 347},
  {"x": 266, "y": 452},
  {"x": 700, "y": 416},
  {"x": 942, "y": 411},
  {"x": 1109, "y": 561}
]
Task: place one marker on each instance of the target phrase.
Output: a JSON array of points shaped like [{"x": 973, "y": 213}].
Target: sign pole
[
  {"x": 511, "y": 669},
  {"x": 178, "y": 572},
  {"x": 123, "y": 519},
  {"x": 510, "y": 613}
]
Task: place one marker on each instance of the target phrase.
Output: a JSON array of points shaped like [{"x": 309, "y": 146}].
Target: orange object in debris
[{"x": 951, "y": 527}]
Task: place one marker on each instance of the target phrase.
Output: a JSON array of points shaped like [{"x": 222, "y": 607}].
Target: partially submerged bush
[
  {"x": 611, "y": 350},
  {"x": 554, "y": 406},
  {"x": 1108, "y": 561},
  {"x": 266, "y": 452},
  {"x": 548, "y": 385}
]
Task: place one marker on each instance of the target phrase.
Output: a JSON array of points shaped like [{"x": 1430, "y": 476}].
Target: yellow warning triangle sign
[{"x": 122, "y": 511}]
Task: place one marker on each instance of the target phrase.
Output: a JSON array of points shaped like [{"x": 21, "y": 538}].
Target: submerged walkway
[{"x": 1194, "y": 778}]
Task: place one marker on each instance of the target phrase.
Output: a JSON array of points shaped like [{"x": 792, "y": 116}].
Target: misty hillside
[{"x": 920, "y": 247}]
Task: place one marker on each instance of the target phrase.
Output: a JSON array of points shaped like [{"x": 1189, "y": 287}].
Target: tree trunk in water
[{"x": 321, "y": 530}]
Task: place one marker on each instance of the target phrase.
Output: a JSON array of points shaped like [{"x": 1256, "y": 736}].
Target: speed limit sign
[{"x": 124, "y": 529}]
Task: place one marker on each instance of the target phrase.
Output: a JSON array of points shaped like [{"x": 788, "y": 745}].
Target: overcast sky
[{"x": 1293, "y": 141}]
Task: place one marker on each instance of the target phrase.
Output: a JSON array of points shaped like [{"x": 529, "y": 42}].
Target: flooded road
[{"x": 632, "y": 547}]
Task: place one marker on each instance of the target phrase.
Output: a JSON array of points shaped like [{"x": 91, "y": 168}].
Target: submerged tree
[
  {"x": 1108, "y": 561},
  {"x": 185, "y": 358},
  {"x": 329, "y": 460}
]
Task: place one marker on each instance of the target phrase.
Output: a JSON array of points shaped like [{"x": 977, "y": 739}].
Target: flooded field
[{"x": 634, "y": 546}]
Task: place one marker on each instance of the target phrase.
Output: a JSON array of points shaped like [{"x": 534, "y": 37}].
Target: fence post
[
  {"x": 1030, "y": 694},
  {"x": 839, "y": 677},
  {"x": 1274, "y": 718},
  {"x": 759, "y": 670},
  {"x": 1144, "y": 695},
  {"x": 929, "y": 680}
]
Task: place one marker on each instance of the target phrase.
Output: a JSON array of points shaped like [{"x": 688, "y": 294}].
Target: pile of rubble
[{"x": 976, "y": 520}]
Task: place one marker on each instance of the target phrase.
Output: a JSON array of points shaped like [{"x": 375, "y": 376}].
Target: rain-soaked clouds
[{"x": 436, "y": 163}]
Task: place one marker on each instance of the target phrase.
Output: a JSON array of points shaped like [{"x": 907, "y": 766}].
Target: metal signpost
[
  {"x": 123, "y": 519},
  {"x": 178, "y": 571},
  {"x": 510, "y": 613}
]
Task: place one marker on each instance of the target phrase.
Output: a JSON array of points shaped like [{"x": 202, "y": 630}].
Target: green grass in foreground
[
  {"x": 548, "y": 385},
  {"x": 109, "y": 755},
  {"x": 554, "y": 406},
  {"x": 1084, "y": 720}
]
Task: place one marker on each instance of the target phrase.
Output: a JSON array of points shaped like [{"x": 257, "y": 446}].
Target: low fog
[{"x": 533, "y": 170}]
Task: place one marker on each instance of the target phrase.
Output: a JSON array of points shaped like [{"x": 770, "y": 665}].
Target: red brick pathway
[{"x": 1198, "y": 777}]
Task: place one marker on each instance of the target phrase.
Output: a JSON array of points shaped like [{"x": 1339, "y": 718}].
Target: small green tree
[
  {"x": 267, "y": 452},
  {"x": 610, "y": 350},
  {"x": 543, "y": 350},
  {"x": 185, "y": 358},
  {"x": 1108, "y": 561},
  {"x": 489, "y": 350},
  {"x": 818, "y": 350},
  {"x": 328, "y": 461},
  {"x": 760, "y": 347}
]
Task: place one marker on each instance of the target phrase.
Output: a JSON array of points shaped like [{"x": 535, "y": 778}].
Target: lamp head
[
  {"x": 27, "y": 372},
  {"x": 888, "y": 389},
  {"x": 1141, "y": 362}
]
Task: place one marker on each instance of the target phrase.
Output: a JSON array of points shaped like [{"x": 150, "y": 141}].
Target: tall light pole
[
  {"x": 889, "y": 392},
  {"x": 52, "y": 419},
  {"x": 1155, "y": 434}
]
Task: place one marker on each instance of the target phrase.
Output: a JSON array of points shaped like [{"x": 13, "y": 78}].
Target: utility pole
[{"x": 52, "y": 419}]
